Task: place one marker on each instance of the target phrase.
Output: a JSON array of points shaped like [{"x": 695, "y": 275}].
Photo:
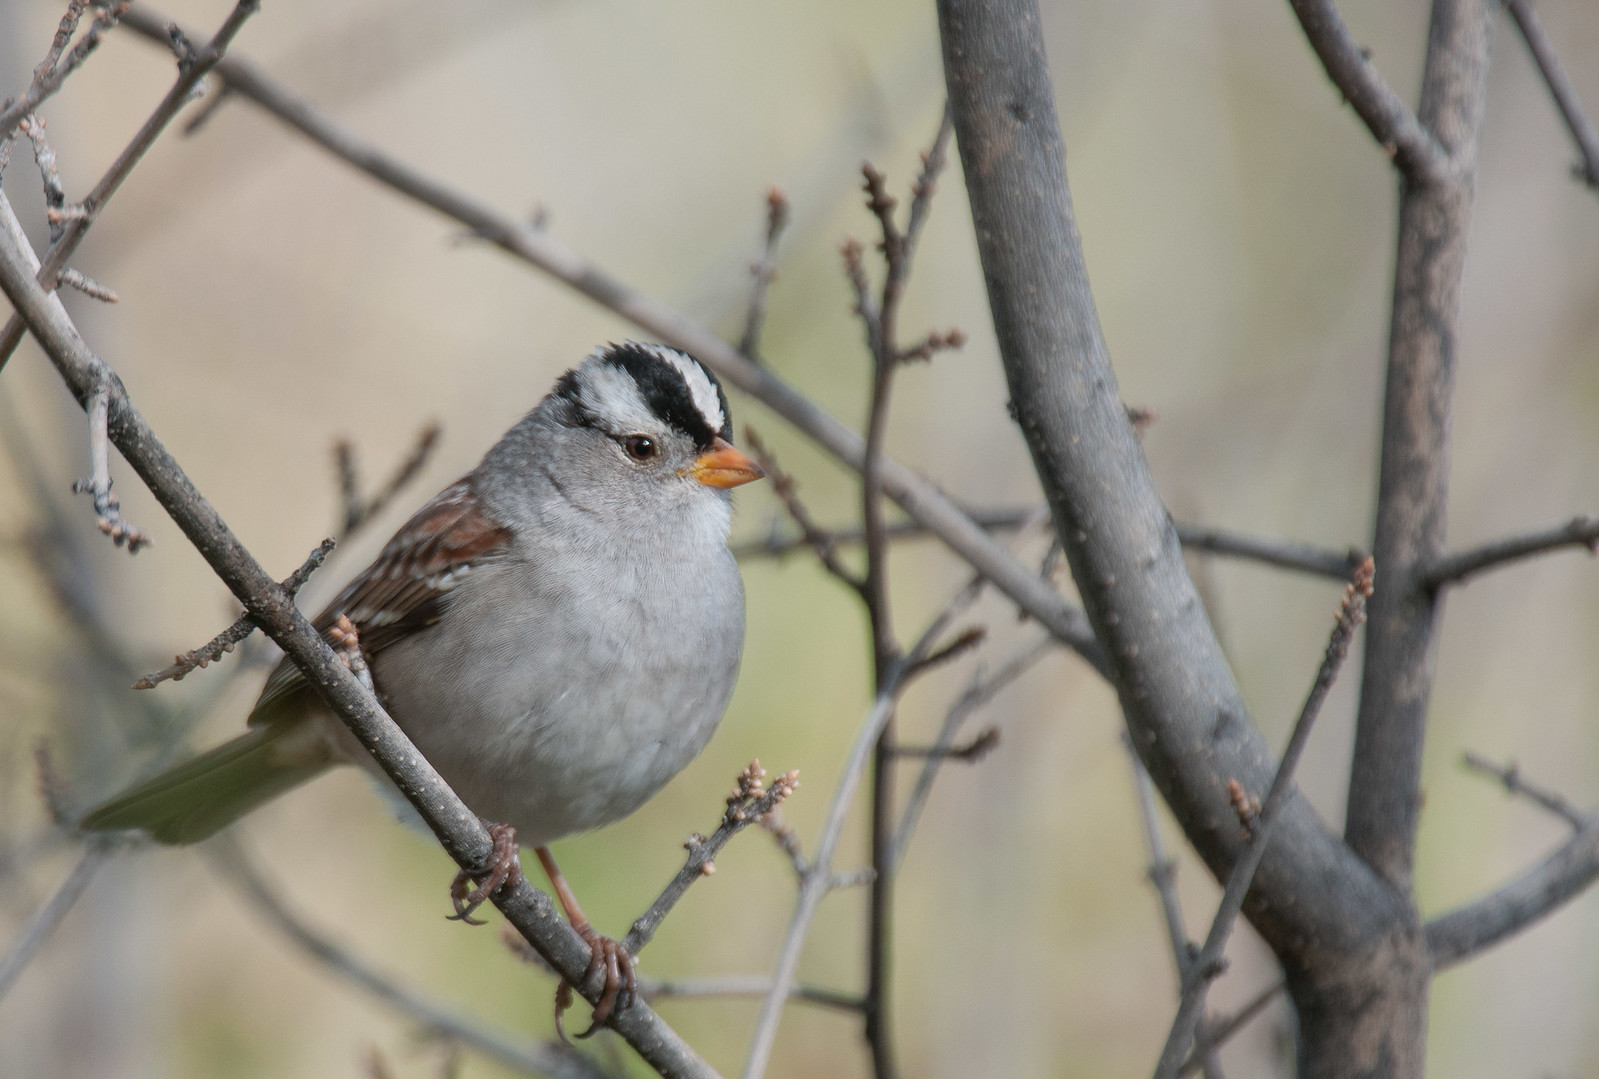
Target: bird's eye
[{"x": 640, "y": 447}]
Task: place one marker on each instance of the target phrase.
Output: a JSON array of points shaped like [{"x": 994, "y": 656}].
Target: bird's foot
[
  {"x": 621, "y": 982},
  {"x": 502, "y": 868}
]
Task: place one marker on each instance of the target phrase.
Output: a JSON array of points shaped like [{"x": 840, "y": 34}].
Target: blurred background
[{"x": 1239, "y": 228}]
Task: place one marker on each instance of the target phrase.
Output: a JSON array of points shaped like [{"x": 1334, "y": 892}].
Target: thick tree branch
[
  {"x": 917, "y": 496},
  {"x": 1187, "y": 718},
  {"x": 1560, "y": 87},
  {"x": 1413, "y": 487},
  {"x": 457, "y": 828},
  {"x": 1403, "y": 136}
]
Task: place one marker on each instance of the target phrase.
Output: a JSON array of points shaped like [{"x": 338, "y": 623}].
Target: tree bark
[{"x": 1345, "y": 930}]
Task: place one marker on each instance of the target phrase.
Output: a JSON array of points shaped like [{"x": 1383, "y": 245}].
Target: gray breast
[{"x": 561, "y": 693}]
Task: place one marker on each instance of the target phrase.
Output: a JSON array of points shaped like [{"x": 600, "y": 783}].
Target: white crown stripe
[{"x": 699, "y": 385}]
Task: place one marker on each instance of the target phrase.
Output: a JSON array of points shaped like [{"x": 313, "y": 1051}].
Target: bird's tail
[{"x": 200, "y": 797}]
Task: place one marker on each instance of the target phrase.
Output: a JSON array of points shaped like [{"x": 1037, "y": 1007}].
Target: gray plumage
[{"x": 558, "y": 632}]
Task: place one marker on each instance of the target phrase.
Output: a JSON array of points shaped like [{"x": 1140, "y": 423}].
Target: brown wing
[{"x": 406, "y": 586}]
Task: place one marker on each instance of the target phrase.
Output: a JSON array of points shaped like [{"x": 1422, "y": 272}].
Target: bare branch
[
  {"x": 1286, "y": 554},
  {"x": 815, "y": 885},
  {"x": 787, "y": 841},
  {"x": 457, "y": 827},
  {"x": 764, "y": 272},
  {"x": 38, "y": 928},
  {"x": 107, "y": 508},
  {"x": 1209, "y": 963},
  {"x": 358, "y": 511},
  {"x": 224, "y": 642},
  {"x": 52, "y": 71},
  {"x": 229, "y": 859},
  {"x": 1509, "y": 775},
  {"x": 817, "y": 878},
  {"x": 749, "y": 803},
  {"x": 821, "y": 543},
  {"x": 779, "y": 541},
  {"x": 88, "y": 285},
  {"x": 1384, "y": 798},
  {"x": 1458, "y": 567},
  {"x": 1397, "y": 130},
  {"x": 745, "y": 985},
  {"x": 1540, "y": 891},
  {"x": 982, "y": 689},
  {"x": 1200, "y": 539},
  {"x": 1162, "y": 874},
  {"x": 970, "y": 753},
  {"x": 189, "y": 76},
  {"x": 1560, "y": 87},
  {"x": 1225, "y": 1027}
]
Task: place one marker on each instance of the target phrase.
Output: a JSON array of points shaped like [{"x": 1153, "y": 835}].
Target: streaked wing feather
[{"x": 406, "y": 587}]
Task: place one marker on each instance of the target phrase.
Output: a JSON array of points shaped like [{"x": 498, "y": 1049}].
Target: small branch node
[{"x": 1245, "y": 805}]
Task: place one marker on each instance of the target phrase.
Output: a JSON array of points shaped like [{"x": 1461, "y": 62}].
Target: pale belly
[{"x": 568, "y": 712}]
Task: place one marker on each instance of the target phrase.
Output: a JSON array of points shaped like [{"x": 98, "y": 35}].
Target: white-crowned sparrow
[{"x": 558, "y": 632}]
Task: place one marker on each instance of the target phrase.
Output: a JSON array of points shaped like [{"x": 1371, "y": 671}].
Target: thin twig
[
  {"x": 1391, "y": 122},
  {"x": 1162, "y": 874},
  {"x": 107, "y": 508},
  {"x": 357, "y": 511},
  {"x": 229, "y": 859},
  {"x": 1201, "y": 539},
  {"x": 1560, "y": 87},
  {"x": 821, "y": 542},
  {"x": 1458, "y": 567},
  {"x": 53, "y": 71},
  {"x": 1286, "y": 554},
  {"x": 780, "y": 542},
  {"x": 970, "y": 753},
  {"x": 1509, "y": 775},
  {"x": 224, "y": 642},
  {"x": 1224, "y": 1028},
  {"x": 819, "y": 879},
  {"x": 189, "y": 75},
  {"x": 816, "y": 884},
  {"x": 1209, "y": 963},
  {"x": 764, "y": 272},
  {"x": 745, "y": 985},
  {"x": 48, "y": 917},
  {"x": 87, "y": 285},
  {"x": 749, "y": 803},
  {"x": 983, "y": 689}
]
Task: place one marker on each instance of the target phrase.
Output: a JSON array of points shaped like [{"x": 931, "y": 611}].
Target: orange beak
[{"x": 724, "y": 466}]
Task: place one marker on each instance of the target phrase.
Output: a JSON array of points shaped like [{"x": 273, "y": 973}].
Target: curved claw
[
  {"x": 503, "y": 867},
  {"x": 620, "y": 983}
]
